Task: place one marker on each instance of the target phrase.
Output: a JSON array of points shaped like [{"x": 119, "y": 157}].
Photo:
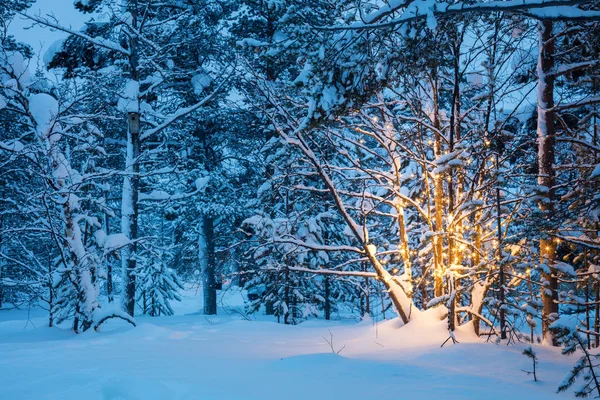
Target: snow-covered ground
[{"x": 190, "y": 356}]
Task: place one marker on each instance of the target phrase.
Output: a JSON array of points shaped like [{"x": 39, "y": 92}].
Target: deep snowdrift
[{"x": 224, "y": 357}]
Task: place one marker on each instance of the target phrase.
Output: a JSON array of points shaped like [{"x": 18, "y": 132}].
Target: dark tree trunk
[
  {"x": 499, "y": 254},
  {"x": 1, "y": 262},
  {"x": 327, "y": 299},
  {"x": 208, "y": 273},
  {"x": 76, "y": 320},
  {"x": 286, "y": 296},
  {"x": 130, "y": 199},
  {"x": 597, "y": 313},
  {"x": 109, "y": 272},
  {"x": 131, "y": 262},
  {"x": 50, "y": 293},
  {"x": 546, "y": 175},
  {"x": 367, "y": 293}
]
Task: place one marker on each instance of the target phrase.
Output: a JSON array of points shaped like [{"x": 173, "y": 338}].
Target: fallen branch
[{"x": 99, "y": 320}]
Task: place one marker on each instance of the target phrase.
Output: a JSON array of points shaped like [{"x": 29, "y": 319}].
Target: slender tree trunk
[
  {"x": 438, "y": 184},
  {"x": 1, "y": 261},
  {"x": 207, "y": 259},
  {"x": 50, "y": 284},
  {"x": 546, "y": 174},
  {"x": 144, "y": 304},
  {"x": 404, "y": 249},
  {"x": 327, "y": 305},
  {"x": 531, "y": 296},
  {"x": 455, "y": 120},
  {"x": 75, "y": 327},
  {"x": 594, "y": 234},
  {"x": 587, "y": 307},
  {"x": 286, "y": 295},
  {"x": 597, "y": 313},
  {"x": 109, "y": 272},
  {"x": 367, "y": 289},
  {"x": 367, "y": 296},
  {"x": 129, "y": 211},
  {"x": 499, "y": 253},
  {"x": 596, "y": 226},
  {"x": 476, "y": 260}
]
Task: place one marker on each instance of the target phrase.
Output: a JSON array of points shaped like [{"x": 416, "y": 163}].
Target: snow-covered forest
[{"x": 247, "y": 199}]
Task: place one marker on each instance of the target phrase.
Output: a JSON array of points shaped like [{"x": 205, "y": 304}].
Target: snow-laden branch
[
  {"x": 580, "y": 103},
  {"x": 316, "y": 246},
  {"x": 19, "y": 263},
  {"x": 565, "y": 69},
  {"x": 589, "y": 243},
  {"x": 183, "y": 112},
  {"x": 430, "y": 10},
  {"x": 358, "y": 274},
  {"x": 563, "y": 13},
  {"x": 110, "y": 311},
  {"x": 97, "y": 41}
]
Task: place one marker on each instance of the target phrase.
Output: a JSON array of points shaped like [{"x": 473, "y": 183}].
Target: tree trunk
[
  {"x": 109, "y": 273},
  {"x": 597, "y": 313},
  {"x": 455, "y": 120},
  {"x": 131, "y": 182},
  {"x": 50, "y": 293},
  {"x": 404, "y": 249},
  {"x": 207, "y": 259},
  {"x": 366, "y": 293},
  {"x": 129, "y": 212},
  {"x": 327, "y": 306},
  {"x": 1, "y": 261},
  {"x": 438, "y": 184},
  {"x": 499, "y": 253},
  {"x": 546, "y": 175},
  {"x": 390, "y": 285}
]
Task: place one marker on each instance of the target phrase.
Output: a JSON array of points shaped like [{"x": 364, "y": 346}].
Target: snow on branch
[
  {"x": 579, "y": 103},
  {"x": 102, "y": 315},
  {"x": 430, "y": 10},
  {"x": 358, "y": 274},
  {"x": 184, "y": 112},
  {"x": 98, "y": 41},
  {"x": 316, "y": 246}
]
